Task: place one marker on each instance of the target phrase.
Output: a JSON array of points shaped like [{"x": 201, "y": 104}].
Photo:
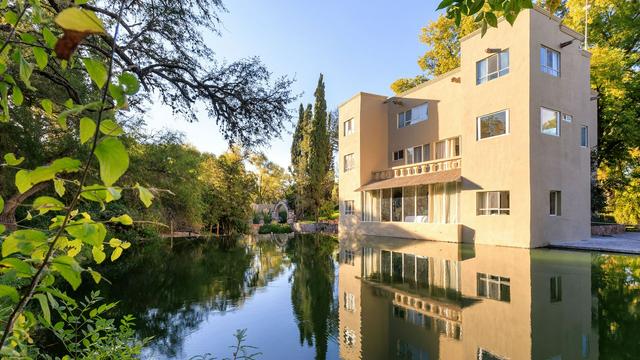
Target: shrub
[
  {"x": 267, "y": 218},
  {"x": 256, "y": 218},
  {"x": 275, "y": 229},
  {"x": 283, "y": 215}
]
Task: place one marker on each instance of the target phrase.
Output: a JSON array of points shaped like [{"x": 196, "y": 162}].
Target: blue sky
[{"x": 358, "y": 45}]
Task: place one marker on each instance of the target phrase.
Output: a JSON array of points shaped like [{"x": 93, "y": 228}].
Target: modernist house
[{"x": 496, "y": 151}]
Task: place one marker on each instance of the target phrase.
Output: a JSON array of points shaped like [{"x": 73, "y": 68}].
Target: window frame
[
  {"x": 400, "y": 124},
  {"x": 349, "y": 207},
  {"x": 507, "y": 125},
  {"x": 499, "y": 70},
  {"x": 352, "y": 129},
  {"x": 584, "y": 136},
  {"x": 568, "y": 118},
  {"x": 544, "y": 68},
  {"x": 558, "y": 121},
  {"x": 555, "y": 203},
  {"x": 400, "y": 155},
  {"x": 488, "y": 210},
  {"x": 348, "y": 165}
]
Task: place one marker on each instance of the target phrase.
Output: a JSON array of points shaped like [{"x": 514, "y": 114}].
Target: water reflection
[{"x": 404, "y": 299}]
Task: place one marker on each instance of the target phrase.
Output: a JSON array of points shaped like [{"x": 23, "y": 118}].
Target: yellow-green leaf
[
  {"x": 69, "y": 269},
  {"x": 87, "y": 129},
  {"x": 1, "y": 204},
  {"x": 129, "y": 83},
  {"x": 2, "y": 228},
  {"x": 23, "y": 241},
  {"x": 113, "y": 159},
  {"x": 109, "y": 127},
  {"x": 122, "y": 219},
  {"x": 49, "y": 38},
  {"x": 116, "y": 253},
  {"x": 44, "y": 306},
  {"x": 125, "y": 245},
  {"x": 47, "y": 105},
  {"x": 23, "y": 182},
  {"x": 114, "y": 243},
  {"x": 97, "y": 71},
  {"x": 18, "y": 97},
  {"x": 25, "y": 72},
  {"x": 95, "y": 275},
  {"x": 80, "y": 20},
  {"x": 18, "y": 265},
  {"x": 89, "y": 232},
  {"x": 44, "y": 204},
  {"x": 41, "y": 56},
  {"x": 11, "y": 159},
  {"x": 74, "y": 247},
  {"x": 98, "y": 254},
  {"x": 145, "y": 195},
  {"x": 10, "y": 292},
  {"x": 100, "y": 193},
  {"x": 58, "y": 185}
]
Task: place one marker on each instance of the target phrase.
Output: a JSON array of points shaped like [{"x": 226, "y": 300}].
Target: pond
[{"x": 313, "y": 297}]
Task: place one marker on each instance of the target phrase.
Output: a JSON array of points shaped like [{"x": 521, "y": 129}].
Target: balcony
[{"x": 426, "y": 167}]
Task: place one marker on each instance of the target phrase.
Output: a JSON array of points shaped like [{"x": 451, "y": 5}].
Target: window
[
  {"x": 348, "y": 127},
  {"x": 396, "y": 204},
  {"x": 492, "y": 203},
  {"x": 426, "y": 152},
  {"x": 349, "y": 207},
  {"x": 493, "y": 124},
  {"x": 492, "y": 67},
  {"x": 349, "y": 337},
  {"x": 348, "y": 257},
  {"x": 555, "y": 203},
  {"x": 484, "y": 354},
  {"x": 441, "y": 150},
  {"x": 455, "y": 146},
  {"x": 349, "y": 301},
  {"x": 349, "y": 162},
  {"x": 549, "y": 122},
  {"x": 413, "y": 115},
  {"x": 556, "y": 288},
  {"x": 398, "y": 155},
  {"x": 584, "y": 136},
  {"x": 549, "y": 61},
  {"x": 494, "y": 287},
  {"x": 567, "y": 118},
  {"x": 417, "y": 154},
  {"x": 386, "y": 205}
]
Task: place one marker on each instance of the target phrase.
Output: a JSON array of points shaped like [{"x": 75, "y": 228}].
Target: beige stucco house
[{"x": 496, "y": 151}]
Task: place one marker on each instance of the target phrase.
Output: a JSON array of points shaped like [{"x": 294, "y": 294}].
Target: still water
[{"x": 313, "y": 297}]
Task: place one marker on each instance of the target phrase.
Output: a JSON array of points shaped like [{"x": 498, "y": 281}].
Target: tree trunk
[{"x": 8, "y": 216}]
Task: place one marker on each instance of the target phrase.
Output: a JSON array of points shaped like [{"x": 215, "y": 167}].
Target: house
[{"x": 494, "y": 152}]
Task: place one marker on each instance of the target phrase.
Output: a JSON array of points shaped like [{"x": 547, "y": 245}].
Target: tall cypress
[
  {"x": 320, "y": 148},
  {"x": 297, "y": 137}
]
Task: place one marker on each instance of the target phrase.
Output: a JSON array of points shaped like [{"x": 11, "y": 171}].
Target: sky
[{"x": 358, "y": 45}]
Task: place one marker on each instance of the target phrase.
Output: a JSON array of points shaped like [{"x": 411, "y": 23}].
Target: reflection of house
[
  {"x": 447, "y": 301},
  {"x": 494, "y": 152}
]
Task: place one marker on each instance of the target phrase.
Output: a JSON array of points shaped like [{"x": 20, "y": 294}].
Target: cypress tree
[
  {"x": 320, "y": 149},
  {"x": 297, "y": 137}
]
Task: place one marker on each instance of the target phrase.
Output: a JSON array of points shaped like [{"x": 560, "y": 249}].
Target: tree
[
  {"x": 442, "y": 38},
  {"x": 300, "y": 158},
  {"x": 272, "y": 180},
  {"x": 320, "y": 151}
]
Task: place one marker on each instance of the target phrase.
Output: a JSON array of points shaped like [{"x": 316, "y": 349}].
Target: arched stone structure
[{"x": 275, "y": 212}]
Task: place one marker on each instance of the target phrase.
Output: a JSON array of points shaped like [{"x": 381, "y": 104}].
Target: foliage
[
  {"x": 283, "y": 215},
  {"x": 442, "y": 38},
  {"x": 275, "y": 229},
  {"x": 85, "y": 332},
  {"x": 240, "y": 350},
  {"x": 256, "y": 218},
  {"x": 266, "y": 217},
  {"x": 272, "y": 180},
  {"x": 486, "y": 12}
]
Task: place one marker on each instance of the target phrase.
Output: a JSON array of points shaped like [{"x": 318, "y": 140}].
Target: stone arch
[{"x": 276, "y": 209}]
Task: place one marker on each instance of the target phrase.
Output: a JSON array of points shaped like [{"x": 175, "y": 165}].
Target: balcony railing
[{"x": 419, "y": 168}]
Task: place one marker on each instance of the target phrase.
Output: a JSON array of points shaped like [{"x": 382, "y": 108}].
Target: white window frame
[
  {"x": 507, "y": 125},
  {"x": 401, "y": 119},
  {"x": 398, "y": 158},
  {"x": 558, "y": 117},
  {"x": 350, "y": 129},
  {"x": 584, "y": 136},
  {"x": 489, "y": 210},
  {"x": 557, "y": 200},
  {"x": 500, "y": 72},
  {"x": 349, "y": 301},
  {"x": 349, "y": 207},
  {"x": 544, "y": 67}
]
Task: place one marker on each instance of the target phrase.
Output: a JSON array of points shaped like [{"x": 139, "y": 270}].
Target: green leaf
[
  {"x": 18, "y": 97},
  {"x": 58, "y": 185},
  {"x": 47, "y": 105},
  {"x": 491, "y": 18},
  {"x": 49, "y": 38},
  {"x": 100, "y": 193},
  {"x": 44, "y": 305},
  {"x": 122, "y": 219},
  {"x": 4, "y": 101},
  {"x": 109, "y": 127},
  {"x": 26, "y": 70},
  {"x": 41, "y": 56},
  {"x": 95, "y": 275},
  {"x": 80, "y": 20},
  {"x": 89, "y": 232},
  {"x": 23, "y": 241},
  {"x": 1, "y": 204},
  {"x": 20, "y": 266},
  {"x": 145, "y": 195},
  {"x": 114, "y": 243},
  {"x": 44, "y": 204},
  {"x": 11, "y": 159},
  {"x": 69, "y": 269},
  {"x": 25, "y": 179},
  {"x": 96, "y": 70},
  {"x": 113, "y": 159},
  {"x": 87, "y": 129},
  {"x": 116, "y": 253},
  {"x": 526, "y": 4},
  {"x": 10, "y": 292},
  {"x": 2, "y": 228},
  {"x": 11, "y": 17},
  {"x": 129, "y": 83},
  {"x": 98, "y": 254},
  {"x": 117, "y": 93},
  {"x": 444, "y": 4}
]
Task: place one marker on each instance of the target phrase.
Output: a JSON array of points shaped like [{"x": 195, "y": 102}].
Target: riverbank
[{"x": 625, "y": 243}]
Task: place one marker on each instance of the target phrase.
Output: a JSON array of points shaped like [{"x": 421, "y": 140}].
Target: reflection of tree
[
  {"x": 312, "y": 294},
  {"x": 171, "y": 292},
  {"x": 492, "y": 126},
  {"x": 616, "y": 282}
]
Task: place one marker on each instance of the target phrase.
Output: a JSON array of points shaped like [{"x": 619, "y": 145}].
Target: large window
[
  {"x": 550, "y": 122},
  {"x": 494, "y": 287},
  {"x": 385, "y": 208},
  {"x": 549, "y": 61},
  {"x": 349, "y": 207},
  {"x": 493, "y": 124},
  {"x": 441, "y": 150},
  {"x": 426, "y": 152},
  {"x": 398, "y": 155},
  {"x": 349, "y": 162},
  {"x": 555, "y": 203},
  {"x": 492, "y": 203},
  {"x": 413, "y": 115},
  {"x": 584, "y": 136},
  {"x": 348, "y": 127},
  {"x": 492, "y": 67},
  {"x": 396, "y": 204},
  {"x": 409, "y": 203},
  {"x": 349, "y": 301}
]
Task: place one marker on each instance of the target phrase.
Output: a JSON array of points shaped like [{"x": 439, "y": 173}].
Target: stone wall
[{"x": 604, "y": 230}]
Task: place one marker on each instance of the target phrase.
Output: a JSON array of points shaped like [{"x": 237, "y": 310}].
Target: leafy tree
[
  {"x": 320, "y": 153},
  {"x": 272, "y": 180}
]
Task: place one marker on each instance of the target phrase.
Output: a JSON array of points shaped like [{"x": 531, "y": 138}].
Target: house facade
[{"x": 495, "y": 152}]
